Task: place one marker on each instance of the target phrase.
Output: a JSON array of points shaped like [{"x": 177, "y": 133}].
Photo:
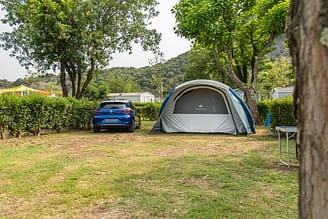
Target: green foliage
[
  {"x": 81, "y": 113},
  {"x": 119, "y": 79},
  {"x": 277, "y": 73},
  {"x": 149, "y": 111},
  {"x": 264, "y": 108},
  {"x": 35, "y": 113},
  {"x": 4, "y": 115},
  {"x": 122, "y": 84},
  {"x": 47, "y": 81},
  {"x": 19, "y": 115},
  {"x": 4, "y": 83},
  {"x": 58, "y": 118},
  {"x": 281, "y": 111},
  {"x": 239, "y": 33},
  {"x": 40, "y": 109},
  {"x": 77, "y": 37},
  {"x": 170, "y": 74},
  {"x": 201, "y": 65},
  {"x": 97, "y": 90}
]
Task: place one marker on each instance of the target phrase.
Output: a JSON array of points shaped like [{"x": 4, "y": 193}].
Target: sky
[{"x": 171, "y": 45}]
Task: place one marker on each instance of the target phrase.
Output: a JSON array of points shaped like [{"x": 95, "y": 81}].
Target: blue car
[{"x": 116, "y": 114}]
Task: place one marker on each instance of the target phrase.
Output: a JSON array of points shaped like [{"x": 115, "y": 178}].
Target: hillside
[
  {"x": 151, "y": 78},
  {"x": 169, "y": 73},
  {"x": 158, "y": 79}
]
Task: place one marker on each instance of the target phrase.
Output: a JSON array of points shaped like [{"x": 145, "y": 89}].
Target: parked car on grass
[{"x": 116, "y": 114}]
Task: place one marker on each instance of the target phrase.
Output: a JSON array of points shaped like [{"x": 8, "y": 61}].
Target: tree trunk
[
  {"x": 2, "y": 134},
  {"x": 79, "y": 84},
  {"x": 308, "y": 44},
  {"x": 252, "y": 104},
  {"x": 249, "y": 91},
  {"x": 63, "y": 79},
  {"x": 88, "y": 79},
  {"x": 72, "y": 76}
]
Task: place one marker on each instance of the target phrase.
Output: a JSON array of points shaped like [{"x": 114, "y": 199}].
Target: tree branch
[
  {"x": 258, "y": 59},
  {"x": 228, "y": 72}
]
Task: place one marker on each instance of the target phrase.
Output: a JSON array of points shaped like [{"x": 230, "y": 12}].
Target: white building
[
  {"x": 280, "y": 92},
  {"x": 144, "y": 97}
]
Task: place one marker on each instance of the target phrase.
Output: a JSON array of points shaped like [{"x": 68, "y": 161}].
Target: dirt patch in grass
[
  {"x": 119, "y": 208},
  {"x": 181, "y": 144},
  {"x": 188, "y": 149}
]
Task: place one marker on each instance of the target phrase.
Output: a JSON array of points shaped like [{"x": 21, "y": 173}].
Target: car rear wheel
[
  {"x": 96, "y": 129},
  {"x": 138, "y": 123},
  {"x": 131, "y": 128}
]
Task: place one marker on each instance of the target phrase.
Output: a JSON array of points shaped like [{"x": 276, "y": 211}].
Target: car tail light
[
  {"x": 126, "y": 111},
  {"x": 96, "y": 111}
]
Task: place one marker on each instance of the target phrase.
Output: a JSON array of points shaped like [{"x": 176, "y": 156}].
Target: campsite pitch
[{"x": 139, "y": 175}]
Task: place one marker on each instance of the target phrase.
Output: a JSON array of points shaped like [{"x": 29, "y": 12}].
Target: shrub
[
  {"x": 34, "y": 113},
  {"x": 18, "y": 112},
  {"x": 58, "y": 118},
  {"x": 81, "y": 113},
  {"x": 39, "y": 111},
  {"x": 264, "y": 108},
  {"x": 149, "y": 111},
  {"x": 282, "y": 112},
  {"x": 4, "y": 115}
]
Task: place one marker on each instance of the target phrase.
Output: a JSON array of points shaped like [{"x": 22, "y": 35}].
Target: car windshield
[{"x": 112, "y": 105}]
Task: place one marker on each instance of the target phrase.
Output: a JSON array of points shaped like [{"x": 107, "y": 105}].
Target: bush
[
  {"x": 4, "y": 115},
  {"x": 281, "y": 111},
  {"x": 59, "y": 118},
  {"x": 39, "y": 111},
  {"x": 35, "y": 113},
  {"x": 81, "y": 113},
  {"x": 149, "y": 111},
  {"x": 264, "y": 109},
  {"x": 18, "y": 112}
]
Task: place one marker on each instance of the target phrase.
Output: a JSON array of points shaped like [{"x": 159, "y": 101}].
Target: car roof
[{"x": 115, "y": 101}]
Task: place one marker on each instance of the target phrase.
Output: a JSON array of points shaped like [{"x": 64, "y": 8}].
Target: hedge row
[
  {"x": 149, "y": 111},
  {"x": 36, "y": 113},
  {"x": 281, "y": 111}
]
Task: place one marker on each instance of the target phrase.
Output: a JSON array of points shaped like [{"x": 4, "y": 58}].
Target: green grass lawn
[{"x": 142, "y": 175}]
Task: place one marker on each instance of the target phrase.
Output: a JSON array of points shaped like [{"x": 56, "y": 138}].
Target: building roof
[
  {"x": 128, "y": 94},
  {"x": 284, "y": 89},
  {"x": 22, "y": 88}
]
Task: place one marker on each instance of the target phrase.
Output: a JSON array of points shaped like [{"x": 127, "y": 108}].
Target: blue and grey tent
[{"x": 204, "y": 106}]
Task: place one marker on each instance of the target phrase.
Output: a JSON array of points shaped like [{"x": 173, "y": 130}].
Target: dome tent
[{"x": 204, "y": 106}]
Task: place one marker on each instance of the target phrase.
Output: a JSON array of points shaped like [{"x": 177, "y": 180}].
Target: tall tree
[
  {"x": 276, "y": 73},
  {"x": 202, "y": 66},
  {"x": 157, "y": 77},
  {"x": 78, "y": 37},
  {"x": 239, "y": 32},
  {"x": 308, "y": 44}
]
